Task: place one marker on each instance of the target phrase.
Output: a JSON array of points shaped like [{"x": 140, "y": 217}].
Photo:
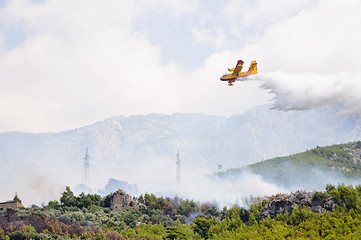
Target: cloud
[
  {"x": 250, "y": 19},
  {"x": 1, "y": 40},
  {"x": 214, "y": 37},
  {"x": 83, "y": 61},
  {"x": 174, "y": 8},
  {"x": 321, "y": 40}
]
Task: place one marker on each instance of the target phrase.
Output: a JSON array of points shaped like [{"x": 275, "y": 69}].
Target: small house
[{"x": 10, "y": 204}]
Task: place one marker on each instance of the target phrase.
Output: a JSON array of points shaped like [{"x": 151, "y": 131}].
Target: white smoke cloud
[
  {"x": 304, "y": 91},
  {"x": 226, "y": 192},
  {"x": 197, "y": 182}
]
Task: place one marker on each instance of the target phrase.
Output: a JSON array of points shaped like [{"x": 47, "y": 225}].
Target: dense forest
[
  {"x": 282, "y": 216},
  {"x": 88, "y": 216}
]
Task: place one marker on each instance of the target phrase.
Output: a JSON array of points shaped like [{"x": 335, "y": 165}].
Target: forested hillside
[
  {"x": 334, "y": 213},
  {"x": 89, "y": 217},
  {"x": 310, "y": 170}
]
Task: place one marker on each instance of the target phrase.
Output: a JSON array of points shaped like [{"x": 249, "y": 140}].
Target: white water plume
[{"x": 304, "y": 91}]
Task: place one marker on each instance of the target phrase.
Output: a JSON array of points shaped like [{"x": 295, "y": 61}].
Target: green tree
[
  {"x": 67, "y": 197},
  {"x": 53, "y": 204},
  {"x": 105, "y": 202},
  {"x": 16, "y": 198},
  {"x": 254, "y": 212},
  {"x": 349, "y": 196},
  {"x": 187, "y": 207},
  {"x": 358, "y": 144},
  {"x": 87, "y": 200},
  {"x": 179, "y": 231},
  {"x": 202, "y": 225}
]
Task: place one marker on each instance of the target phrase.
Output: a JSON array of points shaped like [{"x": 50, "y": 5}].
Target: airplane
[{"x": 236, "y": 72}]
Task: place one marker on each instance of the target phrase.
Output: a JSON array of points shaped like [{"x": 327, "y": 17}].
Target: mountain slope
[
  {"x": 310, "y": 170},
  {"x": 141, "y": 149}
]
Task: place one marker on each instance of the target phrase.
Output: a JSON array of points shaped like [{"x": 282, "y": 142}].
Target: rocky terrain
[
  {"x": 121, "y": 200},
  {"x": 280, "y": 203}
]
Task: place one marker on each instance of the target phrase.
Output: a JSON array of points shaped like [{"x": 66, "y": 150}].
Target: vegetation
[
  {"x": 76, "y": 220},
  {"x": 88, "y": 216},
  {"x": 341, "y": 162}
]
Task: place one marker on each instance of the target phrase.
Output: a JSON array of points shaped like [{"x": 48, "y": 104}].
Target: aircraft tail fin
[{"x": 253, "y": 68}]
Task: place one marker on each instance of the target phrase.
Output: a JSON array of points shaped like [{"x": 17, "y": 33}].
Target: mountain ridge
[{"x": 141, "y": 149}]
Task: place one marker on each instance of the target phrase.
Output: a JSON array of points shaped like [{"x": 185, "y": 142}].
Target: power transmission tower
[
  {"x": 86, "y": 168},
  {"x": 178, "y": 162}
]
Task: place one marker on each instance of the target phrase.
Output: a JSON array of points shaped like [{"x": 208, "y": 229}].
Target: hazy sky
[{"x": 68, "y": 63}]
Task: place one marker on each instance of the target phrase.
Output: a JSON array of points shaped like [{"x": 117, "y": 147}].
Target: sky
[{"x": 65, "y": 64}]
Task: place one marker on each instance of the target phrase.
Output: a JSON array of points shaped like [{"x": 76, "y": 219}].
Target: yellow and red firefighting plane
[{"x": 236, "y": 72}]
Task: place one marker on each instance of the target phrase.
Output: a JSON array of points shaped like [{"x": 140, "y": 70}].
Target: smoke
[
  {"x": 45, "y": 180},
  {"x": 33, "y": 184},
  {"x": 292, "y": 177},
  {"x": 201, "y": 184},
  {"x": 305, "y": 91},
  {"x": 228, "y": 191},
  {"x": 42, "y": 188}
]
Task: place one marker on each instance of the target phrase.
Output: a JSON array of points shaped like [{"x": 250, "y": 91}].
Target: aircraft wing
[{"x": 238, "y": 67}]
